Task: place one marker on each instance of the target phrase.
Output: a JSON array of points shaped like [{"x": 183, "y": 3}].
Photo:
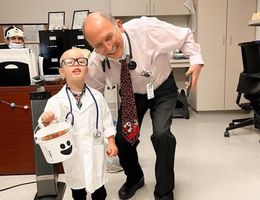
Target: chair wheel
[{"x": 226, "y": 134}]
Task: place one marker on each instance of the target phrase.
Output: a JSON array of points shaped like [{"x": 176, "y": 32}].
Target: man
[
  {"x": 145, "y": 44},
  {"x": 14, "y": 38}
]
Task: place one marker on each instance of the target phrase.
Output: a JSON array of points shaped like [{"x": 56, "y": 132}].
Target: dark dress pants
[{"x": 164, "y": 143}]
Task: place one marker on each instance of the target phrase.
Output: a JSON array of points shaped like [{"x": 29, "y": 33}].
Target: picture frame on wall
[
  {"x": 78, "y": 18},
  {"x": 56, "y": 20}
]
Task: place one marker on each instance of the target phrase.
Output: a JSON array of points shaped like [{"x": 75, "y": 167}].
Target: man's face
[
  {"x": 16, "y": 40},
  {"x": 106, "y": 37}
]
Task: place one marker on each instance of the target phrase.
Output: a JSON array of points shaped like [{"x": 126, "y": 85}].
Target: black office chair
[
  {"x": 248, "y": 86},
  {"x": 14, "y": 73}
]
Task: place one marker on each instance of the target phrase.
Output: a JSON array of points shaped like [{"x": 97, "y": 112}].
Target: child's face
[{"x": 74, "y": 66}]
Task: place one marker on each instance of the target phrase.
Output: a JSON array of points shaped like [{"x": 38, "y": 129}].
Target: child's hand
[
  {"x": 112, "y": 149},
  {"x": 47, "y": 118}
]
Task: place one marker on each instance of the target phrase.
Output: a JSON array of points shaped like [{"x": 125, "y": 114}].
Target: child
[{"x": 91, "y": 120}]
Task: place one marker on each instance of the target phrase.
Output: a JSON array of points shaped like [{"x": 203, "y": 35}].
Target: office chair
[
  {"x": 13, "y": 73},
  {"x": 248, "y": 86}
]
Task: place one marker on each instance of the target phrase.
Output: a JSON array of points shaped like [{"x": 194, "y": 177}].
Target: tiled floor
[{"x": 208, "y": 166}]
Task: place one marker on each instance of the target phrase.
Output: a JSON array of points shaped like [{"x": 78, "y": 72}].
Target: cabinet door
[
  {"x": 237, "y": 31},
  {"x": 130, "y": 8},
  {"x": 221, "y": 26},
  {"x": 168, "y": 7},
  {"x": 147, "y": 7},
  {"x": 211, "y": 31}
]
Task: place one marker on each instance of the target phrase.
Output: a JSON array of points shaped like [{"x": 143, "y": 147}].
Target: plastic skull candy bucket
[{"x": 55, "y": 141}]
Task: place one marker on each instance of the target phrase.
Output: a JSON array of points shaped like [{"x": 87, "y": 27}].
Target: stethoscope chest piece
[
  {"x": 97, "y": 133},
  {"x": 132, "y": 65}
]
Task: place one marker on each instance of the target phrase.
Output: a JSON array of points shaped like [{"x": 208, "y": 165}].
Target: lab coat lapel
[
  {"x": 88, "y": 100},
  {"x": 66, "y": 95}
]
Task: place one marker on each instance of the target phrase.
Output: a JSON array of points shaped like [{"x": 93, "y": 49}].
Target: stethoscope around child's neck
[
  {"x": 130, "y": 63},
  {"x": 70, "y": 113}
]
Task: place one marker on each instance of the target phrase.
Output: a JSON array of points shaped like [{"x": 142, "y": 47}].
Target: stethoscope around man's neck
[
  {"x": 71, "y": 115},
  {"x": 130, "y": 63}
]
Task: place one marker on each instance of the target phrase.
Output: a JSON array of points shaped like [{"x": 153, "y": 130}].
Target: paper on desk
[
  {"x": 190, "y": 6},
  {"x": 40, "y": 63}
]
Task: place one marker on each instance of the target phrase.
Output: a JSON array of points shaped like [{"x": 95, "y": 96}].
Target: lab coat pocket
[{"x": 99, "y": 159}]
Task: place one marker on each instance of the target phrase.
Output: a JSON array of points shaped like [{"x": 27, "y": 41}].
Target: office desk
[
  {"x": 181, "y": 63},
  {"x": 16, "y": 143},
  {"x": 179, "y": 68}
]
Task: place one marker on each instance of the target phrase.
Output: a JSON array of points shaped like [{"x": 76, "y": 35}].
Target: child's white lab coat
[{"x": 86, "y": 168}]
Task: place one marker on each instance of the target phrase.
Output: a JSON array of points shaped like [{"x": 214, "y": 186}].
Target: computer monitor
[
  {"x": 17, "y": 67},
  {"x": 54, "y": 43}
]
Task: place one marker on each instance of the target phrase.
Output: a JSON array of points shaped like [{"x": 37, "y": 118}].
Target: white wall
[
  {"x": 32, "y": 11},
  {"x": 36, "y": 11}
]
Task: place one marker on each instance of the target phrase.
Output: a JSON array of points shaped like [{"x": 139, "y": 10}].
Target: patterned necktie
[
  {"x": 78, "y": 97},
  {"x": 130, "y": 127}
]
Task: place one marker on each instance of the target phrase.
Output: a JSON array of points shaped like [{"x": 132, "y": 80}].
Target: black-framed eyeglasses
[{"x": 71, "y": 61}]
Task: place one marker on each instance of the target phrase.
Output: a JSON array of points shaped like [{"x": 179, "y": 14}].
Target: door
[
  {"x": 237, "y": 31},
  {"x": 211, "y": 35}
]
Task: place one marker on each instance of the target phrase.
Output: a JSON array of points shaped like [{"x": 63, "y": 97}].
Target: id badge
[{"x": 150, "y": 91}]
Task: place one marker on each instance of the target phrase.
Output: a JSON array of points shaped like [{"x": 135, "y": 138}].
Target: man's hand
[{"x": 194, "y": 71}]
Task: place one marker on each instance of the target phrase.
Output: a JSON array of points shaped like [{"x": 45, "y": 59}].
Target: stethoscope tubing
[
  {"x": 70, "y": 104},
  {"x": 131, "y": 64}
]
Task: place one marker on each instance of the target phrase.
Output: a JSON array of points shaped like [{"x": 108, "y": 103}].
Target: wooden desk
[
  {"x": 16, "y": 143},
  {"x": 179, "y": 68},
  {"x": 181, "y": 63}
]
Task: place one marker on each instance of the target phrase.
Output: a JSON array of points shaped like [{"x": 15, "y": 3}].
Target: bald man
[{"x": 146, "y": 44}]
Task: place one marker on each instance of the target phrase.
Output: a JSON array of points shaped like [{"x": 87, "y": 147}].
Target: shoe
[
  {"x": 126, "y": 192},
  {"x": 168, "y": 196}
]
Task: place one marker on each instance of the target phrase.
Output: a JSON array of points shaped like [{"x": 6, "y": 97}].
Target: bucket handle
[
  {"x": 34, "y": 132},
  {"x": 39, "y": 126}
]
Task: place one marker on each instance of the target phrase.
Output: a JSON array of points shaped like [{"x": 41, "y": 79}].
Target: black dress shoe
[
  {"x": 168, "y": 196},
  {"x": 126, "y": 192}
]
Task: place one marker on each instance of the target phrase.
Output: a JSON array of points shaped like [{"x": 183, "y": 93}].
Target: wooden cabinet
[
  {"x": 147, "y": 7},
  {"x": 17, "y": 144},
  {"x": 168, "y": 7},
  {"x": 221, "y": 26}
]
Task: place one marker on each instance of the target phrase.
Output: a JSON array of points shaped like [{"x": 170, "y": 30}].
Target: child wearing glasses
[{"x": 91, "y": 120}]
